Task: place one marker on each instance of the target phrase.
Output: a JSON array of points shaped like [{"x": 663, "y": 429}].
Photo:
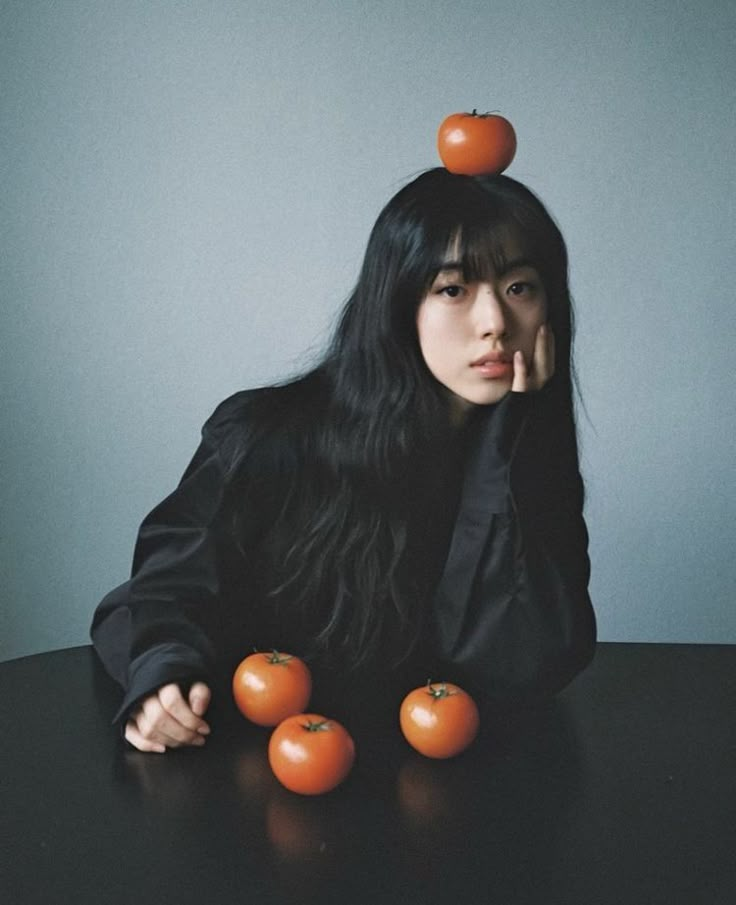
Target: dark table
[{"x": 622, "y": 790}]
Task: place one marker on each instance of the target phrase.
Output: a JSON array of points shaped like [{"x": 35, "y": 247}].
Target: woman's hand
[
  {"x": 166, "y": 719},
  {"x": 527, "y": 379}
]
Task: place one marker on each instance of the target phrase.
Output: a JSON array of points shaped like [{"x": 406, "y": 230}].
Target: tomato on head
[
  {"x": 269, "y": 687},
  {"x": 476, "y": 143},
  {"x": 439, "y": 720},
  {"x": 310, "y": 754}
]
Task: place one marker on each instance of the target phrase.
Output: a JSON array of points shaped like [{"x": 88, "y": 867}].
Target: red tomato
[
  {"x": 476, "y": 143},
  {"x": 269, "y": 687},
  {"x": 439, "y": 720},
  {"x": 310, "y": 754}
]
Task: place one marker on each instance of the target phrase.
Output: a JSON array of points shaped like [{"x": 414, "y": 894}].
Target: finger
[
  {"x": 164, "y": 733},
  {"x": 155, "y": 723},
  {"x": 199, "y": 701},
  {"x": 552, "y": 352},
  {"x": 134, "y": 737},
  {"x": 150, "y": 728},
  {"x": 520, "y": 382},
  {"x": 544, "y": 355},
  {"x": 176, "y": 706}
]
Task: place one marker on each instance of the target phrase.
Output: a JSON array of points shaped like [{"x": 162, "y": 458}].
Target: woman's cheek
[{"x": 435, "y": 330}]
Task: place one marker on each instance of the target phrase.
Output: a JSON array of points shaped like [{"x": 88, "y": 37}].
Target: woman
[{"x": 410, "y": 507}]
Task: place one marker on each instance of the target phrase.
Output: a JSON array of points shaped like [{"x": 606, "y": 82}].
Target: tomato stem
[
  {"x": 276, "y": 657},
  {"x": 317, "y": 726},
  {"x": 438, "y": 691}
]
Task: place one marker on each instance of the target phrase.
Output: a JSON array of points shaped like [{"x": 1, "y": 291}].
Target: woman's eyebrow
[
  {"x": 508, "y": 266},
  {"x": 516, "y": 264}
]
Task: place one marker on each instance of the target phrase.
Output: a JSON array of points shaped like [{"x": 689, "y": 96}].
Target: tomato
[
  {"x": 476, "y": 143},
  {"x": 269, "y": 687},
  {"x": 439, "y": 720},
  {"x": 310, "y": 754}
]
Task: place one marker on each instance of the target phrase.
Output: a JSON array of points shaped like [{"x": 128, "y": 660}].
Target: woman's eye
[
  {"x": 452, "y": 292},
  {"x": 521, "y": 287}
]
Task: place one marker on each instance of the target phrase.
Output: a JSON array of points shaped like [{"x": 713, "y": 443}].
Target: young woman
[{"x": 411, "y": 507}]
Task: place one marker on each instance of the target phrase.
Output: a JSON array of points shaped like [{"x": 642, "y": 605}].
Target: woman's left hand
[{"x": 533, "y": 377}]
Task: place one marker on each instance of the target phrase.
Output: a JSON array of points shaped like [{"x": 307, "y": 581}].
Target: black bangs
[
  {"x": 486, "y": 227},
  {"x": 485, "y": 251}
]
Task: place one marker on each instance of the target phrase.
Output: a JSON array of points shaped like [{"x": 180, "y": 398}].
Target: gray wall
[{"x": 186, "y": 193}]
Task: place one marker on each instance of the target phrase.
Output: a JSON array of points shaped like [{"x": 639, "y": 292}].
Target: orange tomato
[
  {"x": 439, "y": 720},
  {"x": 269, "y": 687},
  {"x": 476, "y": 143},
  {"x": 310, "y": 754}
]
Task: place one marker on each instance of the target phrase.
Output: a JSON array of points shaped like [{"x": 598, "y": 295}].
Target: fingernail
[{"x": 204, "y": 730}]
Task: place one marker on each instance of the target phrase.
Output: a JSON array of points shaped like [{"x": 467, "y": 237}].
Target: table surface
[{"x": 622, "y": 790}]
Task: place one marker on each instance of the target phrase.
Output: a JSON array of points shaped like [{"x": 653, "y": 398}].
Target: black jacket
[{"x": 510, "y": 612}]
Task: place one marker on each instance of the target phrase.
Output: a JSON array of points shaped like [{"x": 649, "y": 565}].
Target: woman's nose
[{"x": 491, "y": 313}]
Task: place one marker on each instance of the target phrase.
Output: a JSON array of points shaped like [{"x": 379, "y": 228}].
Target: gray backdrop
[{"x": 187, "y": 188}]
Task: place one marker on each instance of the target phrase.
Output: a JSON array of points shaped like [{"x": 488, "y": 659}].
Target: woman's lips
[
  {"x": 495, "y": 369},
  {"x": 494, "y": 365}
]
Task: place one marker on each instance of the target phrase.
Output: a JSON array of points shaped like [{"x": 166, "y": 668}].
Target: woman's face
[{"x": 469, "y": 331}]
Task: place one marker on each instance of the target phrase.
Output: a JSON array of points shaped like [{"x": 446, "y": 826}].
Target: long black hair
[{"x": 350, "y": 432}]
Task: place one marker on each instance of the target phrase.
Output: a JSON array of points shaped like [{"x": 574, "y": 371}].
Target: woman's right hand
[
  {"x": 532, "y": 376},
  {"x": 167, "y": 719}
]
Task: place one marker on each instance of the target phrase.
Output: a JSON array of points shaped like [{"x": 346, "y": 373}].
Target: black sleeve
[
  {"x": 511, "y": 609},
  {"x": 153, "y": 629}
]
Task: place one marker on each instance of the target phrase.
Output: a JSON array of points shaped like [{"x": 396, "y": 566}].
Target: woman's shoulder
[
  {"x": 251, "y": 418},
  {"x": 234, "y": 412}
]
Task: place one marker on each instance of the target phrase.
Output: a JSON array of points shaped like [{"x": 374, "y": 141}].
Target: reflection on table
[{"x": 623, "y": 789}]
